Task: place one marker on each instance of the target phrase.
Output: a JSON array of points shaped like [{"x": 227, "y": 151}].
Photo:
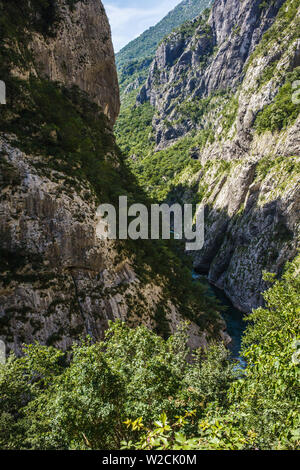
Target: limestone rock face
[
  {"x": 59, "y": 281},
  {"x": 81, "y": 53},
  {"x": 252, "y": 226}
]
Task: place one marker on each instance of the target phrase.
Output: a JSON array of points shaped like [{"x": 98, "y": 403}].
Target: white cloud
[{"x": 127, "y": 23}]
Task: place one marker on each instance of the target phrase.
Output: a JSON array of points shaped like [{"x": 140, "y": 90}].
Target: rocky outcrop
[
  {"x": 133, "y": 61},
  {"x": 252, "y": 223},
  {"x": 81, "y": 53}
]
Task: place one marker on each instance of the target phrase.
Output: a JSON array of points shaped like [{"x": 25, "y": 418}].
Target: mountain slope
[
  {"x": 221, "y": 127},
  {"x": 58, "y": 161},
  {"x": 134, "y": 59}
]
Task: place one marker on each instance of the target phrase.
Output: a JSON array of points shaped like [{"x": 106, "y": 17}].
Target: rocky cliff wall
[
  {"x": 79, "y": 51},
  {"x": 60, "y": 282},
  {"x": 206, "y": 57}
]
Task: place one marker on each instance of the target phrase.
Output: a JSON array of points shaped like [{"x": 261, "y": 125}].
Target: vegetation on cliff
[
  {"x": 262, "y": 411},
  {"x": 108, "y": 395},
  {"x": 195, "y": 122},
  {"x": 216, "y": 122},
  {"x": 282, "y": 112}
]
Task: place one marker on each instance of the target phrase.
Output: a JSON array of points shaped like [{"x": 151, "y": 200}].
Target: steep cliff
[
  {"x": 204, "y": 57},
  {"x": 58, "y": 162},
  {"x": 70, "y": 42},
  {"x": 58, "y": 280},
  {"x": 81, "y": 53},
  {"x": 224, "y": 130}
]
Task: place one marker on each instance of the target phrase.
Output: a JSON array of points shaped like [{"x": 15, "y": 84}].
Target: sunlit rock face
[{"x": 59, "y": 281}]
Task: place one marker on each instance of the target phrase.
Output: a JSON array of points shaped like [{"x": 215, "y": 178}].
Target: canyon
[
  {"x": 221, "y": 128},
  {"x": 125, "y": 344},
  {"x": 205, "y": 135}
]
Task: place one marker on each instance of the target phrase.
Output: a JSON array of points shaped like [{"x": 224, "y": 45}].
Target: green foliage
[
  {"x": 108, "y": 395},
  {"x": 188, "y": 28},
  {"x": 289, "y": 166},
  {"x": 261, "y": 410},
  {"x": 286, "y": 25},
  {"x": 49, "y": 403},
  {"x": 218, "y": 433},
  {"x": 269, "y": 393},
  {"x": 135, "y": 70},
  {"x": 229, "y": 113},
  {"x": 195, "y": 109},
  {"x": 266, "y": 3},
  {"x": 133, "y": 129},
  {"x": 164, "y": 436},
  {"x": 156, "y": 171},
  {"x": 282, "y": 112}
]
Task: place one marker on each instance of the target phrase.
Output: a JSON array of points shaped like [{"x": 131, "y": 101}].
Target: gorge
[
  {"x": 215, "y": 123},
  {"x": 123, "y": 344}
]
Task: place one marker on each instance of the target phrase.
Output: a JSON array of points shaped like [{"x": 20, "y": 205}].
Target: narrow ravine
[{"x": 236, "y": 325}]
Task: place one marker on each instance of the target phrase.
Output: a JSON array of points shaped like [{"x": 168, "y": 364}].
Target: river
[{"x": 234, "y": 319}]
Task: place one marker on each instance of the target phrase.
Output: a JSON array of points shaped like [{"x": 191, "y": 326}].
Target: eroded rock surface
[{"x": 59, "y": 281}]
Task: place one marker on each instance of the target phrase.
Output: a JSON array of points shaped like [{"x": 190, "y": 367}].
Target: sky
[{"x": 130, "y": 18}]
